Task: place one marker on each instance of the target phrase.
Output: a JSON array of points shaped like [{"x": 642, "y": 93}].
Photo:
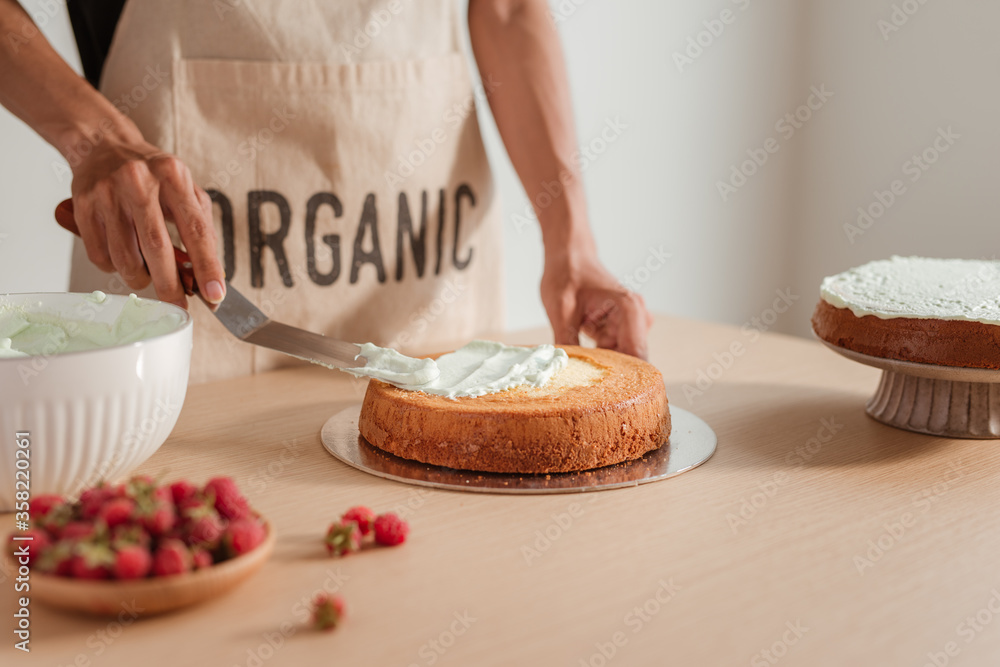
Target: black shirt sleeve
[{"x": 94, "y": 23}]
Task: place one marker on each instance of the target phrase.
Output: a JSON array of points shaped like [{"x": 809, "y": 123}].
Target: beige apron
[{"x": 340, "y": 145}]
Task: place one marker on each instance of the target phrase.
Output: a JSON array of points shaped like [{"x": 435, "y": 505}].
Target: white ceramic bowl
[{"x": 90, "y": 415}]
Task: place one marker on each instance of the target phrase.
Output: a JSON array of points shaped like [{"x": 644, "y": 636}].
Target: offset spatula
[{"x": 246, "y": 321}]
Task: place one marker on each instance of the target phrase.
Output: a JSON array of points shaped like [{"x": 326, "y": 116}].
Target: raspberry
[
  {"x": 327, "y": 611},
  {"x": 39, "y": 542},
  {"x": 117, "y": 511},
  {"x": 343, "y": 537},
  {"x": 242, "y": 536},
  {"x": 390, "y": 530},
  {"x": 362, "y": 516},
  {"x": 182, "y": 490},
  {"x": 132, "y": 562},
  {"x": 202, "y": 558},
  {"x": 172, "y": 557},
  {"x": 41, "y": 505},
  {"x": 229, "y": 502}
]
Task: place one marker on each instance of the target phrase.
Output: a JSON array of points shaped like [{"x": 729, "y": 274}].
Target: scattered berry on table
[
  {"x": 343, "y": 537},
  {"x": 390, "y": 530},
  {"x": 327, "y": 611},
  {"x": 361, "y": 515}
]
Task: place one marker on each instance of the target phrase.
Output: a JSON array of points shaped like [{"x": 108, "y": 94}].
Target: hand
[
  {"x": 124, "y": 192},
  {"x": 580, "y": 295}
]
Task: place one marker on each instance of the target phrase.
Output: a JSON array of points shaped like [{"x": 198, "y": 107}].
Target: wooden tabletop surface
[{"x": 815, "y": 536}]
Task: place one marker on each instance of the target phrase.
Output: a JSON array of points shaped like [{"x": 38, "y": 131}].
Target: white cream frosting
[
  {"x": 479, "y": 368},
  {"x": 26, "y": 332},
  {"x": 919, "y": 287}
]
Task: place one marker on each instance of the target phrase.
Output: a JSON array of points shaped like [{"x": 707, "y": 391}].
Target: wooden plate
[{"x": 149, "y": 596}]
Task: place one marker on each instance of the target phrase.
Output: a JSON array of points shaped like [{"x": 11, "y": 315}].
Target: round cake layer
[
  {"x": 925, "y": 341},
  {"x": 919, "y": 288},
  {"x": 602, "y": 408}
]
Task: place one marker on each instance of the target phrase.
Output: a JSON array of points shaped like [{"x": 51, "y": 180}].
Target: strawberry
[
  {"x": 229, "y": 502},
  {"x": 362, "y": 516},
  {"x": 172, "y": 557},
  {"x": 158, "y": 517},
  {"x": 117, "y": 511},
  {"x": 39, "y": 541},
  {"x": 201, "y": 558},
  {"x": 92, "y": 500},
  {"x": 77, "y": 530},
  {"x": 132, "y": 562},
  {"x": 242, "y": 536},
  {"x": 390, "y": 530},
  {"x": 129, "y": 535},
  {"x": 41, "y": 505},
  {"x": 92, "y": 560},
  {"x": 56, "y": 559},
  {"x": 205, "y": 531},
  {"x": 327, "y": 611},
  {"x": 182, "y": 490},
  {"x": 343, "y": 537}
]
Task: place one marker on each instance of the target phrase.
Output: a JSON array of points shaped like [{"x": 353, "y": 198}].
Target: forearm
[
  {"x": 516, "y": 45},
  {"x": 38, "y": 87}
]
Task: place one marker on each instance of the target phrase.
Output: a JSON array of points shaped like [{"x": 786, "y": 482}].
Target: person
[{"x": 324, "y": 158}]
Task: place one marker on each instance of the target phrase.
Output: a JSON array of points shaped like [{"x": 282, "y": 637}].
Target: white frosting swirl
[
  {"x": 479, "y": 368},
  {"x": 918, "y": 287}
]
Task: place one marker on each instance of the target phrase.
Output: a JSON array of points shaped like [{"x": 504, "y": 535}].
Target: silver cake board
[{"x": 692, "y": 442}]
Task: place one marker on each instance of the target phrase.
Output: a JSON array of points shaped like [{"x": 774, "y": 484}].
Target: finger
[
  {"x": 632, "y": 326},
  {"x": 158, "y": 249},
  {"x": 193, "y": 218},
  {"x": 566, "y": 322},
  {"x": 123, "y": 244},
  {"x": 92, "y": 232}
]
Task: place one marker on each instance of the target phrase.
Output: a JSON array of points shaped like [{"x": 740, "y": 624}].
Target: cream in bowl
[{"x": 90, "y": 387}]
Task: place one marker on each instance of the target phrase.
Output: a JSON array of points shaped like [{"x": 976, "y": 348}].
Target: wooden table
[{"x": 815, "y": 536}]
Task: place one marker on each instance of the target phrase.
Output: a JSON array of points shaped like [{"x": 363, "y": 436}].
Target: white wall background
[{"x": 656, "y": 185}]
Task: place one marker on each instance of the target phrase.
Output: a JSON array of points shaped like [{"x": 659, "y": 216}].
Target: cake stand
[
  {"x": 692, "y": 442},
  {"x": 939, "y": 400}
]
